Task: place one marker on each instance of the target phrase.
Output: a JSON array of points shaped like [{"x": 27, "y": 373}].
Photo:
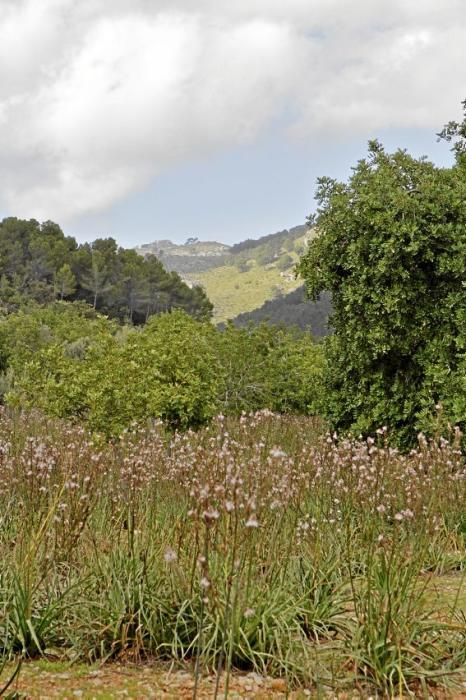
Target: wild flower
[
  {"x": 277, "y": 453},
  {"x": 252, "y": 522},
  {"x": 147, "y": 497},
  {"x": 170, "y": 555},
  {"x": 210, "y": 515}
]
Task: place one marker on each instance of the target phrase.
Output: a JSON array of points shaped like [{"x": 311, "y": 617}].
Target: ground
[{"x": 46, "y": 679}]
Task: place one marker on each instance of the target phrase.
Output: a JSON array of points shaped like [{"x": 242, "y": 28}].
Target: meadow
[{"x": 258, "y": 544}]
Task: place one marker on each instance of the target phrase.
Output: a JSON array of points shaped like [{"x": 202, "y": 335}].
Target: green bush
[
  {"x": 269, "y": 367},
  {"x": 69, "y": 362},
  {"x": 284, "y": 262},
  {"x": 168, "y": 370}
]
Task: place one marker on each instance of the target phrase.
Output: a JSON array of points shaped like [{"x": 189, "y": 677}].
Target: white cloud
[{"x": 96, "y": 98}]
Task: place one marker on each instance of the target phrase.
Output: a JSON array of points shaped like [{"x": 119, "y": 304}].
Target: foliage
[
  {"x": 65, "y": 282},
  {"x": 38, "y": 263},
  {"x": 233, "y": 292},
  {"x": 285, "y": 262},
  {"x": 273, "y": 241},
  {"x": 392, "y": 251},
  {"x": 455, "y": 132},
  {"x": 34, "y": 327},
  {"x": 73, "y": 363},
  {"x": 242, "y": 265},
  {"x": 269, "y": 367},
  {"x": 178, "y": 368},
  {"x": 166, "y": 370}
]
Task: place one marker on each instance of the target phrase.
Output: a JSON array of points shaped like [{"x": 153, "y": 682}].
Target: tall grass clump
[{"x": 257, "y": 543}]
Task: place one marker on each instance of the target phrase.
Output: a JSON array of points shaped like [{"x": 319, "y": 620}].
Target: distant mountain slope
[
  {"x": 238, "y": 278},
  {"x": 292, "y": 309},
  {"x": 276, "y": 240},
  {"x": 191, "y": 257}
]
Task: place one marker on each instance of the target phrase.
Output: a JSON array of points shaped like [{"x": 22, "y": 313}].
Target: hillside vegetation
[
  {"x": 233, "y": 292},
  {"x": 293, "y": 309},
  {"x": 238, "y": 278}
]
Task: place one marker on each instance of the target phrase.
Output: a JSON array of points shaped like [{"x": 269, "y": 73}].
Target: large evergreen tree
[{"x": 392, "y": 251}]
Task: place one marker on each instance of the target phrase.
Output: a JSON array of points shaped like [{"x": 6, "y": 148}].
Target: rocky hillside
[
  {"x": 188, "y": 258},
  {"x": 238, "y": 278}
]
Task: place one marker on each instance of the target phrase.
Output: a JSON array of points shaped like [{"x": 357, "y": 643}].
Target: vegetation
[
  {"x": 171, "y": 490},
  {"x": 253, "y": 544},
  {"x": 272, "y": 243},
  {"x": 243, "y": 287},
  {"x": 292, "y": 309},
  {"x": 72, "y": 363},
  {"x": 38, "y": 263},
  {"x": 391, "y": 250}
]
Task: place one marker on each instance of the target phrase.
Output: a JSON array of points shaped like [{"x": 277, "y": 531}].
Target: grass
[{"x": 256, "y": 545}]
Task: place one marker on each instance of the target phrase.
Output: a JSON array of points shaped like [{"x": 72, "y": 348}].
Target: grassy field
[{"x": 256, "y": 552}]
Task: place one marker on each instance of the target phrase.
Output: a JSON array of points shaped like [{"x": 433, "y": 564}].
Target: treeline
[
  {"x": 39, "y": 263},
  {"x": 292, "y": 309},
  {"x": 274, "y": 241},
  {"x": 68, "y": 361}
]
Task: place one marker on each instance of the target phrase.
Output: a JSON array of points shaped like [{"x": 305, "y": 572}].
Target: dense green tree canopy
[
  {"x": 391, "y": 250},
  {"x": 38, "y": 263},
  {"x": 269, "y": 366}
]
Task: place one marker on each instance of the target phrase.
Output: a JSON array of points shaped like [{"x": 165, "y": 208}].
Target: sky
[{"x": 150, "y": 119}]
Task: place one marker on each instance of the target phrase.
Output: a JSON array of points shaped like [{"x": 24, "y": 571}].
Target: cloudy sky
[{"x": 146, "y": 119}]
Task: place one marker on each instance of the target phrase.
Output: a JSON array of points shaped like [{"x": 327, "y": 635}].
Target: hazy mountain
[
  {"x": 190, "y": 257},
  {"x": 238, "y": 278}
]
